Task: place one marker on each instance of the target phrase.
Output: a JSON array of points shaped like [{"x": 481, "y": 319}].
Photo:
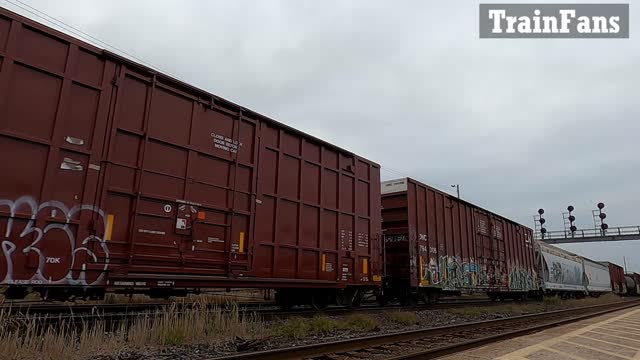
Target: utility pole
[
  {"x": 624, "y": 258},
  {"x": 457, "y": 186}
]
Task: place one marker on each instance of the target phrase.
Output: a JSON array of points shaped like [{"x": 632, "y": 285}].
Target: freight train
[
  {"x": 438, "y": 244},
  {"x": 118, "y": 178}
]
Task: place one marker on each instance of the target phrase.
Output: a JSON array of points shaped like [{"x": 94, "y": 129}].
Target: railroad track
[
  {"x": 116, "y": 313},
  {"x": 71, "y": 308},
  {"x": 82, "y": 308},
  {"x": 435, "y": 342}
]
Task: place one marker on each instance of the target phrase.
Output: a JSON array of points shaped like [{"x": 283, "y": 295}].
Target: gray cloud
[{"x": 520, "y": 124}]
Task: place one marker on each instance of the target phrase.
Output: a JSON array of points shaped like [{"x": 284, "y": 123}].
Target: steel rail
[
  {"x": 466, "y": 345},
  {"x": 56, "y": 308},
  {"x": 344, "y": 346},
  {"x": 264, "y": 313}
]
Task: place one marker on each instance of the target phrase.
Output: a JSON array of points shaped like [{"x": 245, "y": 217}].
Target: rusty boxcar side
[
  {"x": 618, "y": 282},
  {"x": 123, "y": 177},
  {"x": 436, "y": 242}
]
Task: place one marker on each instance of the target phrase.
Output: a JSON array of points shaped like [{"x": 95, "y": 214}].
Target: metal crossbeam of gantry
[{"x": 590, "y": 235}]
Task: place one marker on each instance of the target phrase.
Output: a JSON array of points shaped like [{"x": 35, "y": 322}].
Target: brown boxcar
[
  {"x": 618, "y": 282},
  {"x": 116, "y": 175},
  {"x": 435, "y": 242}
]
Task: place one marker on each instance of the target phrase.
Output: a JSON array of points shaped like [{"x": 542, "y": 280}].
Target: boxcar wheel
[
  {"x": 411, "y": 299},
  {"x": 284, "y": 300},
  {"x": 351, "y": 298},
  {"x": 319, "y": 301},
  {"x": 424, "y": 297},
  {"x": 434, "y": 297}
]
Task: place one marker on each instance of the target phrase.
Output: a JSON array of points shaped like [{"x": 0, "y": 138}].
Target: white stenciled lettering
[{"x": 225, "y": 143}]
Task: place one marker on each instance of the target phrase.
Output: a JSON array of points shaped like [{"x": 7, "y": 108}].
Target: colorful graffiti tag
[
  {"x": 520, "y": 279},
  {"x": 452, "y": 273},
  {"x": 43, "y": 245}
]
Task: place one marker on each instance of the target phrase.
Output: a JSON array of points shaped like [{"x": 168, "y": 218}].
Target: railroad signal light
[
  {"x": 541, "y": 221},
  {"x": 601, "y": 216},
  {"x": 571, "y": 219}
]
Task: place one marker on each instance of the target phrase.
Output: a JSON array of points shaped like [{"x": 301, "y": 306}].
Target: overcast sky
[{"x": 519, "y": 124}]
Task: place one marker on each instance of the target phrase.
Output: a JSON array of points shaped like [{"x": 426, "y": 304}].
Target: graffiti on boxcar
[
  {"x": 53, "y": 244},
  {"x": 452, "y": 273},
  {"x": 430, "y": 273},
  {"x": 562, "y": 271},
  {"x": 520, "y": 279},
  {"x": 456, "y": 273},
  {"x": 556, "y": 273}
]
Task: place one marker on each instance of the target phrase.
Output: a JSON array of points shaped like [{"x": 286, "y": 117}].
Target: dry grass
[
  {"x": 360, "y": 323},
  {"x": 557, "y": 303},
  {"x": 473, "y": 311},
  {"x": 205, "y": 323},
  {"x": 27, "y": 340},
  {"x": 402, "y": 317},
  {"x": 548, "y": 304},
  {"x": 298, "y": 328}
]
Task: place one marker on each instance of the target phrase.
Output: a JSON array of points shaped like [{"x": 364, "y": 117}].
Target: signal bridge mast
[{"x": 571, "y": 234}]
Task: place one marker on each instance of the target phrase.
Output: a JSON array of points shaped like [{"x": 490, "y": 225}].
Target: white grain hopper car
[{"x": 566, "y": 274}]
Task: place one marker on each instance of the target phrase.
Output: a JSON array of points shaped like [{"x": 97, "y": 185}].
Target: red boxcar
[
  {"x": 618, "y": 282},
  {"x": 435, "y": 242},
  {"x": 115, "y": 175}
]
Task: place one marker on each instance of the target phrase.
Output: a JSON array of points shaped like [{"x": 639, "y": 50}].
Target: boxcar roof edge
[
  {"x": 452, "y": 197},
  {"x": 101, "y": 51}
]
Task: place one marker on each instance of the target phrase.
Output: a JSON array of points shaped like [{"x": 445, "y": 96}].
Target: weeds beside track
[
  {"x": 235, "y": 328},
  {"x": 433, "y": 342},
  {"x": 113, "y": 313}
]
